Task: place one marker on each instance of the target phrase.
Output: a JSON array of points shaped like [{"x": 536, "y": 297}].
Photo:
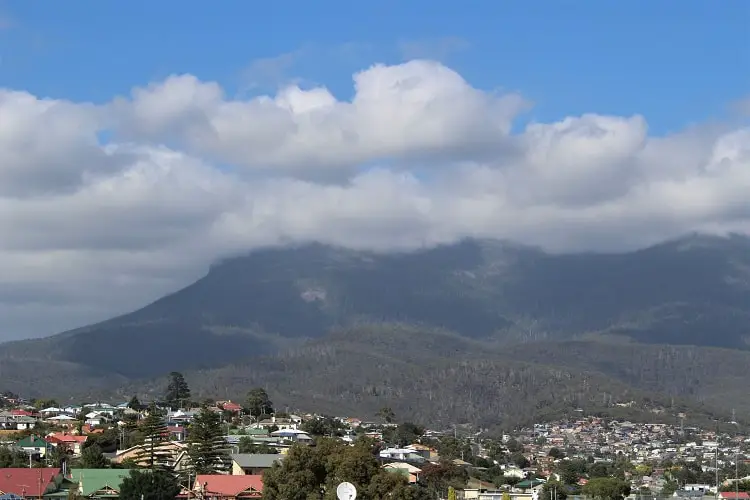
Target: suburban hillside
[{"x": 313, "y": 315}]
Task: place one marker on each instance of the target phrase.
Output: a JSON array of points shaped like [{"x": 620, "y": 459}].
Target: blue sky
[{"x": 675, "y": 61}]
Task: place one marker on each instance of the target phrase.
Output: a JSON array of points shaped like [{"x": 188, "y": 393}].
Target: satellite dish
[{"x": 346, "y": 491}]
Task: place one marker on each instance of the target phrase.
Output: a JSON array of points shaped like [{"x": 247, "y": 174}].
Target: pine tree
[
  {"x": 154, "y": 454},
  {"x": 178, "y": 391},
  {"x": 134, "y": 403},
  {"x": 207, "y": 448},
  {"x": 157, "y": 485},
  {"x": 258, "y": 403},
  {"x": 93, "y": 458}
]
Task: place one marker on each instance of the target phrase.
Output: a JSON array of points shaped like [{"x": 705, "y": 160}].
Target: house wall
[{"x": 237, "y": 470}]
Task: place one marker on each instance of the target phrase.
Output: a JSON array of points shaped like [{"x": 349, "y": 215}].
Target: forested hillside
[{"x": 503, "y": 331}]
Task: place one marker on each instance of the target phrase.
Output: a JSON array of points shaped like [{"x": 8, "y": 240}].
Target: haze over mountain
[{"x": 479, "y": 297}]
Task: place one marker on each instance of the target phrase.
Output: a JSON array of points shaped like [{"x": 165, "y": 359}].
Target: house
[
  {"x": 250, "y": 432},
  {"x": 169, "y": 452},
  {"x": 514, "y": 472},
  {"x": 24, "y": 422},
  {"x": 423, "y": 450},
  {"x": 98, "y": 483},
  {"x": 183, "y": 465},
  {"x": 230, "y": 407},
  {"x": 34, "y": 446},
  {"x": 293, "y": 435},
  {"x": 89, "y": 429},
  {"x": 227, "y": 487},
  {"x": 529, "y": 484},
  {"x": 63, "y": 420},
  {"x": 7, "y": 420},
  {"x": 50, "y": 412},
  {"x": 180, "y": 417},
  {"x": 409, "y": 471},
  {"x": 177, "y": 432},
  {"x": 401, "y": 454},
  {"x": 102, "y": 408},
  {"x": 253, "y": 463},
  {"x": 281, "y": 423},
  {"x": 23, "y": 413},
  {"x": 30, "y": 483},
  {"x": 69, "y": 442},
  {"x": 96, "y": 418}
]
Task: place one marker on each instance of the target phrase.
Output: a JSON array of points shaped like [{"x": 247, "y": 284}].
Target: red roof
[
  {"x": 731, "y": 494},
  {"x": 22, "y": 413},
  {"x": 62, "y": 437},
  {"x": 229, "y": 406},
  {"x": 27, "y": 481},
  {"x": 231, "y": 486}
]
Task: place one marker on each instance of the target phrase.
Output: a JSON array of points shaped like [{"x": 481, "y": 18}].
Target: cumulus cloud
[{"x": 92, "y": 227}]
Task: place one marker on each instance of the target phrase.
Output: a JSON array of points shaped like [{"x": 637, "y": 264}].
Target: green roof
[
  {"x": 258, "y": 439},
  {"x": 32, "y": 442},
  {"x": 92, "y": 480},
  {"x": 529, "y": 483}
]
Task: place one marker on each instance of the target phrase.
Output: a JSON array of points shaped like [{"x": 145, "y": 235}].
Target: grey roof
[{"x": 256, "y": 460}]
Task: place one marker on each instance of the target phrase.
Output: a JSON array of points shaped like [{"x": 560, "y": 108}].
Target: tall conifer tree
[{"x": 207, "y": 447}]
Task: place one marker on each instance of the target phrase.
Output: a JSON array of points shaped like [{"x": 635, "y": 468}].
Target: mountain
[{"x": 267, "y": 316}]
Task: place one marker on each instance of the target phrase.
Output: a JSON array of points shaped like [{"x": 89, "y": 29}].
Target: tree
[
  {"x": 606, "y": 488},
  {"x": 312, "y": 473},
  {"x": 441, "y": 476},
  {"x": 177, "y": 391},
  {"x": 41, "y": 404},
  {"x": 556, "y": 453},
  {"x": 149, "y": 485},
  {"x": 10, "y": 458},
  {"x": 514, "y": 446},
  {"x": 93, "y": 458},
  {"x": 322, "y": 426},
  {"x": 386, "y": 413},
  {"x": 106, "y": 441},
  {"x": 571, "y": 471},
  {"x": 739, "y": 486},
  {"x": 58, "y": 455},
  {"x": 258, "y": 403},
  {"x": 520, "y": 460},
  {"x": 246, "y": 445},
  {"x": 80, "y": 421},
  {"x": 405, "y": 433},
  {"x": 495, "y": 450},
  {"x": 206, "y": 444},
  {"x": 153, "y": 454},
  {"x": 450, "y": 447},
  {"x": 553, "y": 490},
  {"x": 393, "y": 487},
  {"x": 134, "y": 403}
]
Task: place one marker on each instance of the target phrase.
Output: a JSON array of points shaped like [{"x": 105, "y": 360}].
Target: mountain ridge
[{"x": 495, "y": 301}]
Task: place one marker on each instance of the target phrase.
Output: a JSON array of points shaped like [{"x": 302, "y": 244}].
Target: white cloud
[
  {"x": 405, "y": 111},
  {"x": 417, "y": 156}
]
